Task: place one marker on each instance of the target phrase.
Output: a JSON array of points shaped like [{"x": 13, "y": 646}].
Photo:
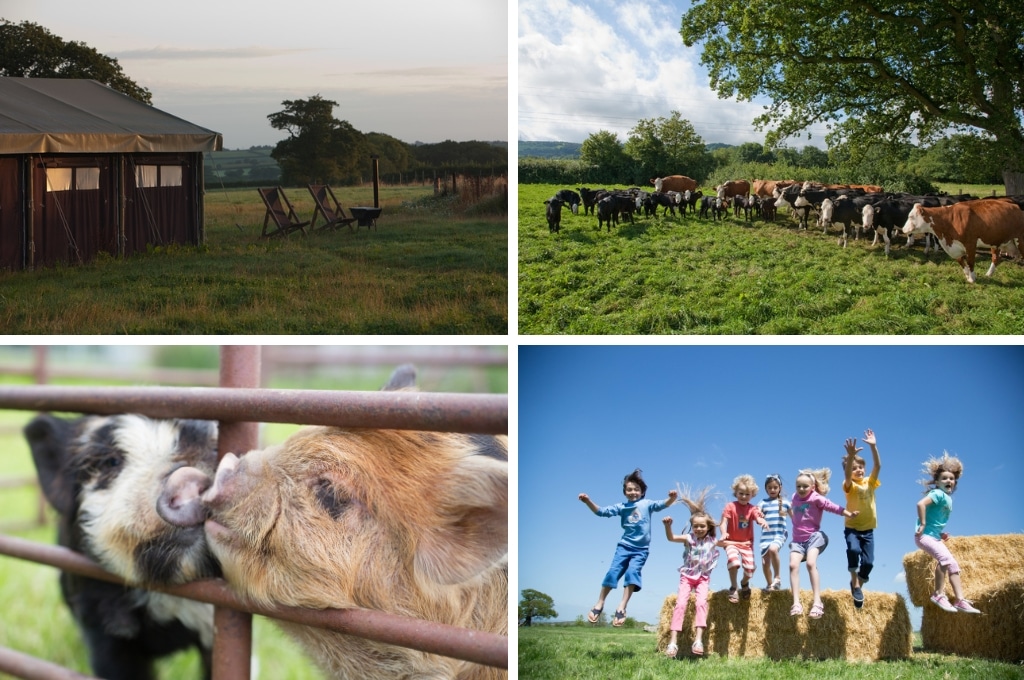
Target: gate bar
[
  {"x": 232, "y": 643},
  {"x": 489, "y": 649},
  {"x": 24, "y": 666},
  {"x": 401, "y": 410}
]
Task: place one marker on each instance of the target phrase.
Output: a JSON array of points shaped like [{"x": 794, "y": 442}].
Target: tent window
[
  {"x": 146, "y": 176},
  {"x": 87, "y": 178},
  {"x": 170, "y": 175},
  {"x": 58, "y": 179}
]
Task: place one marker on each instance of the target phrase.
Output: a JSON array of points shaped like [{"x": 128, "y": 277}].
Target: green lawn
[
  {"x": 685, "y": 275},
  {"x": 599, "y": 653},
  {"x": 432, "y": 266}
]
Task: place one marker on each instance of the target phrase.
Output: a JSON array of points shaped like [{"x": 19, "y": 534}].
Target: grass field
[
  {"x": 684, "y": 275},
  {"x": 599, "y": 653},
  {"x": 430, "y": 267}
]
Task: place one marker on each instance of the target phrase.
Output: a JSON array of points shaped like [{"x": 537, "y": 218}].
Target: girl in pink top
[{"x": 809, "y": 541}]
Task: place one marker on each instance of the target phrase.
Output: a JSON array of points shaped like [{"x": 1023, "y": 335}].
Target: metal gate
[{"x": 240, "y": 405}]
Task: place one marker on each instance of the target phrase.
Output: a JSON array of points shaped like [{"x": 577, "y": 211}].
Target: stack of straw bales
[
  {"x": 762, "y": 626},
  {"x": 993, "y": 579}
]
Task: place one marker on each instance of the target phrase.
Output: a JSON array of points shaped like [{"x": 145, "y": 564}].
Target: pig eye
[
  {"x": 331, "y": 498},
  {"x": 110, "y": 463}
]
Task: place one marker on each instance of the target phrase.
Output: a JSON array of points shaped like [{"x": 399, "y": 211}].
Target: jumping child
[
  {"x": 809, "y": 540},
  {"x": 775, "y": 509},
  {"x": 633, "y": 547},
  {"x": 699, "y": 557},
  {"x": 860, "y": 530},
  {"x": 738, "y": 533},
  {"x": 932, "y": 514}
]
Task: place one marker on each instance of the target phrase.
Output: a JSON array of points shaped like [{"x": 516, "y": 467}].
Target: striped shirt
[
  {"x": 776, "y": 521},
  {"x": 700, "y": 557}
]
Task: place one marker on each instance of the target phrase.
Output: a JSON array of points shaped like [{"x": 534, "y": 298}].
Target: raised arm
[
  {"x": 869, "y": 439},
  {"x": 675, "y": 538},
  {"x": 851, "y": 451},
  {"x": 590, "y": 504}
]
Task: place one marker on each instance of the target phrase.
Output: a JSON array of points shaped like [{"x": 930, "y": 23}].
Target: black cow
[
  {"x": 690, "y": 198},
  {"x": 667, "y": 201},
  {"x": 570, "y": 198},
  {"x": 554, "y": 214},
  {"x": 590, "y": 197}
]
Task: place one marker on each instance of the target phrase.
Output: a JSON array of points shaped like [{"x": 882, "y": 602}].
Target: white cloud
[
  {"x": 583, "y": 69},
  {"x": 901, "y": 577}
]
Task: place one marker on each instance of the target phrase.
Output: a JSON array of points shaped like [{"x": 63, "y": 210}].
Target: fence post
[{"x": 232, "y": 642}]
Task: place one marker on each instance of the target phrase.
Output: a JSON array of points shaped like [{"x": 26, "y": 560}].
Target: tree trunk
[{"x": 1013, "y": 181}]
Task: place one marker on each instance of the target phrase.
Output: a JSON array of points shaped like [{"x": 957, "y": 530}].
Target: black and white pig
[{"x": 103, "y": 475}]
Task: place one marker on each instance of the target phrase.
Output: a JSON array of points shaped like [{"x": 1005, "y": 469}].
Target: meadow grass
[
  {"x": 599, "y": 653},
  {"x": 685, "y": 275},
  {"x": 431, "y": 266}
]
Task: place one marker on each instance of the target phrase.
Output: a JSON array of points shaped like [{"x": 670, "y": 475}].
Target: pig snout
[
  {"x": 217, "y": 494},
  {"x": 180, "y": 502}
]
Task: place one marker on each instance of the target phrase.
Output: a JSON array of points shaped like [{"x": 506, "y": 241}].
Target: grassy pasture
[
  {"x": 598, "y": 653},
  {"x": 685, "y": 275},
  {"x": 431, "y": 266}
]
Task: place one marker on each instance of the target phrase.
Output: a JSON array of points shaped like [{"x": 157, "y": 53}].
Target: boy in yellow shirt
[{"x": 860, "y": 529}]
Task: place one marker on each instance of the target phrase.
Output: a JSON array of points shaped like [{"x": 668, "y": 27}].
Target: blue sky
[
  {"x": 702, "y": 415},
  {"x": 414, "y": 70},
  {"x": 589, "y": 65}
]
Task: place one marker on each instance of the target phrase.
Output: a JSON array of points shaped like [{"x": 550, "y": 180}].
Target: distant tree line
[
  {"x": 321, "y": 148},
  {"x": 668, "y": 146}
]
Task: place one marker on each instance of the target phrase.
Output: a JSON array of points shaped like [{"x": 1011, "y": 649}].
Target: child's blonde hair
[
  {"x": 745, "y": 482},
  {"x": 934, "y": 466},
  {"x": 819, "y": 479},
  {"x": 697, "y": 502}
]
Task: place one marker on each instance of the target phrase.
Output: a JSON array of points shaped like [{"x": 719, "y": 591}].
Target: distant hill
[{"x": 549, "y": 149}]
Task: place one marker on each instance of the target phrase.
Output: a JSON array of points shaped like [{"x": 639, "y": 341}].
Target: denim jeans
[
  {"x": 860, "y": 551},
  {"x": 628, "y": 560}
]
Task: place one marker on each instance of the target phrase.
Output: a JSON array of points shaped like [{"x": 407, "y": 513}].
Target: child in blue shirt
[{"x": 633, "y": 547}]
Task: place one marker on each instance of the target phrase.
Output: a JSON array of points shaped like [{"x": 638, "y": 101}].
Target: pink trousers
[{"x": 698, "y": 586}]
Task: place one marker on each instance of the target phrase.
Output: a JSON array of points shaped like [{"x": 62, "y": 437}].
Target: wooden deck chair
[
  {"x": 281, "y": 211},
  {"x": 328, "y": 206}
]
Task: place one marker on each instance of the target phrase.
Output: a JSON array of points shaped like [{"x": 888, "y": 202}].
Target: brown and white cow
[
  {"x": 678, "y": 183},
  {"x": 735, "y": 187},
  {"x": 960, "y": 228},
  {"x": 765, "y": 188}
]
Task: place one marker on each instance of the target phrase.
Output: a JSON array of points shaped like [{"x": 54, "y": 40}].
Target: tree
[
  {"x": 534, "y": 604},
  {"x": 604, "y": 150},
  {"x": 667, "y": 146},
  {"x": 319, "y": 148},
  {"x": 28, "y": 50},
  {"x": 899, "y": 69}
]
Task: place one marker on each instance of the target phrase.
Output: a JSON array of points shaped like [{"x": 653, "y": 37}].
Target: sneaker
[
  {"x": 965, "y": 606},
  {"x": 858, "y": 598},
  {"x": 942, "y": 602}
]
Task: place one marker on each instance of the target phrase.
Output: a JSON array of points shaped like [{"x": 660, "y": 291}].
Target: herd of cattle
[{"x": 958, "y": 223}]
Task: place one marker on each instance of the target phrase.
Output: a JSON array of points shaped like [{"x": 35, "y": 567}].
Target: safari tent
[{"x": 87, "y": 170}]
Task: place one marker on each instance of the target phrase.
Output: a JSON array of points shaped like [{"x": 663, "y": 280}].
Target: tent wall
[
  {"x": 12, "y": 213},
  {"x": 68, "y": 208},
  {"x": 161, "y": 200},
  {"x": 74, "y": 216}
]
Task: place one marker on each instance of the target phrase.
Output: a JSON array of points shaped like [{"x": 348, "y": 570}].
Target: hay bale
[
  {"x": 997, "y": 633},
  {"x": 982, "y": 560},
  {"x": 762, "y": 626}
]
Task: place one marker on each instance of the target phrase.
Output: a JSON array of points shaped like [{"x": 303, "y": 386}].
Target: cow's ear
[
  {"x": 402, "y": 378},
  {"x": 48, "y": 438},
  {"x": 473, "y": 534}
]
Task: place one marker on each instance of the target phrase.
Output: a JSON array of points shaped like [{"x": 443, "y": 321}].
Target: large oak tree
[
  {"x": 28, "y": 50},
  {"x": 873, "y": 69}
]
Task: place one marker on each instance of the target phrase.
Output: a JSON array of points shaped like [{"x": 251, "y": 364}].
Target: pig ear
[
  {"x": 48, "y": 438},
  {"x": 402, "y": 378},
  {"x": 473, "y": 535}
]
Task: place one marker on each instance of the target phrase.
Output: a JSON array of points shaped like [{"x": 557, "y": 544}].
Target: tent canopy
[{"x": 59, "y": 115}]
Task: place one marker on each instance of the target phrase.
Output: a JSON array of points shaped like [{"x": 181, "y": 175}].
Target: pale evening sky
[{"x": 418, "y": 71}]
